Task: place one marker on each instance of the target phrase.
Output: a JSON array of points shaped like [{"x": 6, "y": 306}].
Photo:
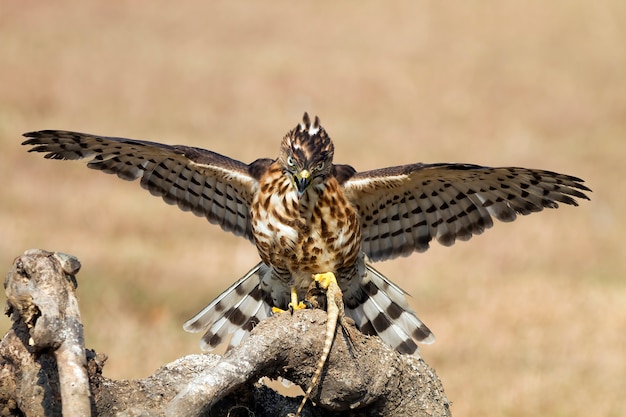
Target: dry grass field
[{"x": 530, "y": 318}]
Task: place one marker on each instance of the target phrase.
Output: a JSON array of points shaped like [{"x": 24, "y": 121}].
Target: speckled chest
[{"x": 318, "y": 232}]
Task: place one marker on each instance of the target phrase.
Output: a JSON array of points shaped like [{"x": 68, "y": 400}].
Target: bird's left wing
[
  {"x": 203, "y": 182},
  {"x": 403, "y": 208}
]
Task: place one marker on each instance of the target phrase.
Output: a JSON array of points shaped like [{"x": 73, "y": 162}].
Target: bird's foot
[{"x": 294, "y": 305}]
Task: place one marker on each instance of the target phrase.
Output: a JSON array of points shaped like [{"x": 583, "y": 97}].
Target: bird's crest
[
  {"x": 306, "y": 125},
  {"x": 309, "y": 143}
]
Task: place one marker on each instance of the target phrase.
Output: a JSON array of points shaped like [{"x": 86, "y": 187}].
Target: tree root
[{"x": 46, "y": 371}]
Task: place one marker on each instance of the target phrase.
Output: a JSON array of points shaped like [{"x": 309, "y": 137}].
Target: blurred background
[{"x": 530, "y": 318}]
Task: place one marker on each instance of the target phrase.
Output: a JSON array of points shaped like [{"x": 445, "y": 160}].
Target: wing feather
[
  {"x": 206, "y": 183},
  {"x": 403, "y": 208}
]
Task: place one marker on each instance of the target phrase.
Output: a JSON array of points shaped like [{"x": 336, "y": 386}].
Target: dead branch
[{"x": 45, "y": 370}]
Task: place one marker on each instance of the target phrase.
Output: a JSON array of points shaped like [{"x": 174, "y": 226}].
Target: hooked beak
[{"x": 302, "y": 180}]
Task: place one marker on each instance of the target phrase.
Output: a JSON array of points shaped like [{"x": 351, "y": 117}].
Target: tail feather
[
  {"x": 259, "y": 312},
  {"x": 384, "y": 311},
  {"x": 234, "y": 312},
  {"x": 377, "y": 306}
]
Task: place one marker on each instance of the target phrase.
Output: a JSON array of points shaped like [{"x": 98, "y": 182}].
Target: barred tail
[
  {"x": 236, "y": 311},
  {"x": 383, "y": 310}
]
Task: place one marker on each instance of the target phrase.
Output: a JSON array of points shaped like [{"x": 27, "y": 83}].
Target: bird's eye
[
  {"x": 290, "y": 161},
  {"x": 320, "y": 166}
]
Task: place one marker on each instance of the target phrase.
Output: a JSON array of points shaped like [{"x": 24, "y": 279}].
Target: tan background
[{"x": 530, "y": 318}]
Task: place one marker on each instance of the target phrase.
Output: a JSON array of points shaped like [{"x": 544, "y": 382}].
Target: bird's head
[{"x": 306, "y": 154}]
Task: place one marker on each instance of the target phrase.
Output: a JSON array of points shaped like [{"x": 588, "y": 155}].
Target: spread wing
[
  {"x": 203, "y": 182},
  {"x": 403, "y": 208}
]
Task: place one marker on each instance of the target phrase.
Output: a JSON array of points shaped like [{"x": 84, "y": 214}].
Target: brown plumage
[{"x": 307, "y": 215}]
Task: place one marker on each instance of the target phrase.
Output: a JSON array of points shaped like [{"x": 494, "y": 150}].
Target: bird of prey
[{"x": 307, "y": 215}]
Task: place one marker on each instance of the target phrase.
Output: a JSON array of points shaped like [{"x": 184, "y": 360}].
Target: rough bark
[{"x": 46, "y": 371}]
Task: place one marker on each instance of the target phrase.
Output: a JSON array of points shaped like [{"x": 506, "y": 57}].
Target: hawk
[{"x": 308, "y": 215}]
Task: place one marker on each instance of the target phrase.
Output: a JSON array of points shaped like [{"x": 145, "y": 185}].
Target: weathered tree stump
[{"x": 46, "y": 371}]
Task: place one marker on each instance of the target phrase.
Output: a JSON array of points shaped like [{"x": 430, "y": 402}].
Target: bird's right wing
[{"x": 206, "y": 183}]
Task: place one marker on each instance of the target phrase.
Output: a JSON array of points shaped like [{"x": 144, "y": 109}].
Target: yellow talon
[
  {"x": 294, "y": 298},
  {"x": 294, "y": 305},
  {"x": 299, "y": 306},
  {"x": 326, "y": 279}
]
